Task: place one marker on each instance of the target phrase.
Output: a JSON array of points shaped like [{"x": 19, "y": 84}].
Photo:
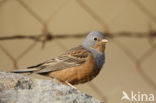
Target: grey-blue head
[{"x": 95, "y": 42}]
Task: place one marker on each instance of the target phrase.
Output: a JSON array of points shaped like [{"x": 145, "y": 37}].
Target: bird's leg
[{"x": 70, "y": 85}]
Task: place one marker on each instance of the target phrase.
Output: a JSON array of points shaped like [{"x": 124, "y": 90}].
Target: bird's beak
[{"x": 104, "y": 41}]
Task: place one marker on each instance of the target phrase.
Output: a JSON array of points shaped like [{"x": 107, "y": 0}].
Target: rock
[{"x": 17, "y": 88}]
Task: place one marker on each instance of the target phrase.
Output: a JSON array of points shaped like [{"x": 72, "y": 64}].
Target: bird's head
[{"x": 95, "y": 40}]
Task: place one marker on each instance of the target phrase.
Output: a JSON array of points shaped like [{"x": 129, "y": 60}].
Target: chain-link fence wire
[{"x": 46, "y": 36}]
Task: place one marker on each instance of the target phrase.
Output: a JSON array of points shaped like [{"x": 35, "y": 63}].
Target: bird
[{"x": 77, "y": 65}]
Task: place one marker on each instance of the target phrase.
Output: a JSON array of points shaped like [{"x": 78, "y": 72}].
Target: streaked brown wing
[{"x": 73, "y": 57}]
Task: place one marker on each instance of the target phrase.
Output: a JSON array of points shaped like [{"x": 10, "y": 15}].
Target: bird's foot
[{"x": 70, "y": 85}]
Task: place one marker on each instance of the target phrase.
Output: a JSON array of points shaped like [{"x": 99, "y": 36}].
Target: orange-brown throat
[{"x": 100, "y": 47}]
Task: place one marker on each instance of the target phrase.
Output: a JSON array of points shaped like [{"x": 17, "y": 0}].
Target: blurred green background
[{"x": 130, "y": 54}]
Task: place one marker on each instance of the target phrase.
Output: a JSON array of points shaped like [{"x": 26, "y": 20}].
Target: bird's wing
[{"x": 72, "y": 57}]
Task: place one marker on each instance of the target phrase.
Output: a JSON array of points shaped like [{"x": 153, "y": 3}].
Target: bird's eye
[{"x": 95, "y": 39}]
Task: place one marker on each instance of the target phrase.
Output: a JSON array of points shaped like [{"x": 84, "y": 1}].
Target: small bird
[{"x": 77, "y": 65}]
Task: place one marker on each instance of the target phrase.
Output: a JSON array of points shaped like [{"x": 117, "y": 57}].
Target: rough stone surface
[{"x": 16, "y": 88}]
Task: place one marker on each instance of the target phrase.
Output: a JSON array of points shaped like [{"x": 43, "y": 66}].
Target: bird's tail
[{"x": 24, "y": 70}]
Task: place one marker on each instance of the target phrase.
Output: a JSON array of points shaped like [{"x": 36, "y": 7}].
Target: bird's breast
[
  {"x": 99, "y": 59},
  {"x": 78, "y": 74}
]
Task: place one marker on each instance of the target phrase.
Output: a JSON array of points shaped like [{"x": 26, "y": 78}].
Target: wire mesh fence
[{"x": 47, "y": 36}]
